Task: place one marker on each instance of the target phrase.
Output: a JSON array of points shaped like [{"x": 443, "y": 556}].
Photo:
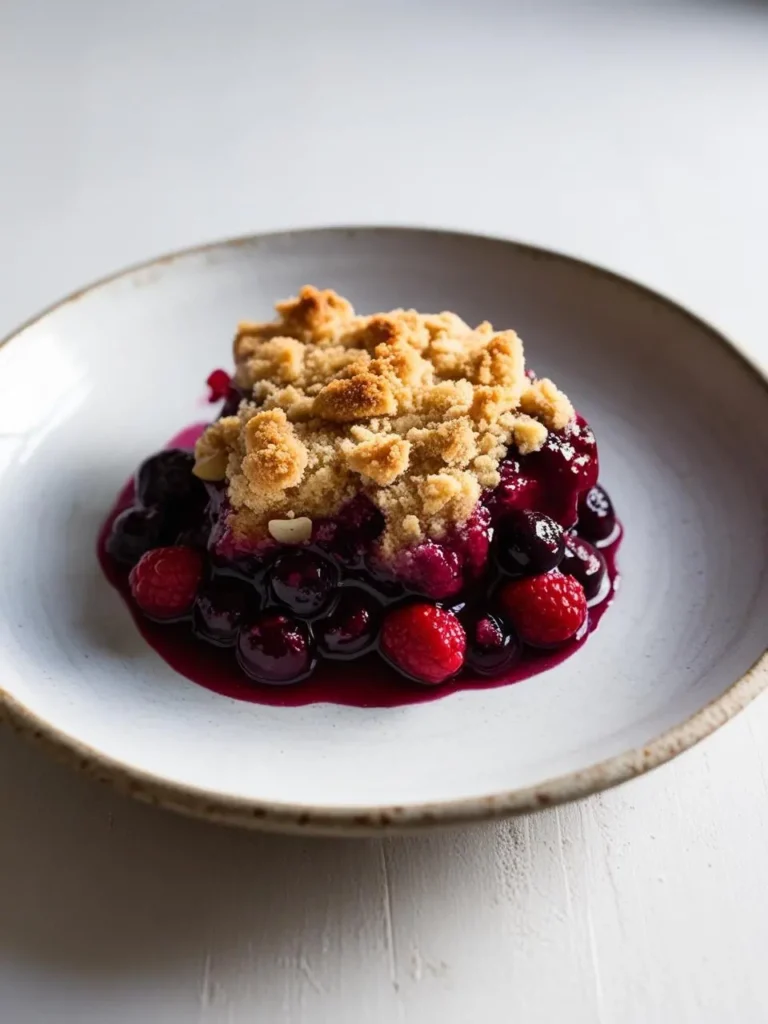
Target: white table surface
[{"x": 633, "y": 134}]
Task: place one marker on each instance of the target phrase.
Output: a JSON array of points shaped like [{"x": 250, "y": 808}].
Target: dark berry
[
  {"x": 565, "y": 466},
  {"x": 375, "y": 579},
  {"x": 529, "y": 543},
  {"x": 352, "y": 629},
  {"x": 164, "y": 582},
  {"x": 134, "y": 532},
  {"x": 303, "y": 581},
  {"x": 423, "y": 642},
  {"x": 195, "y": 534},
  {"x": 568, "y": 455},
  {"x": 492, "y": 645},
  {"x": 351, "y": 532},
  {"x": 166, "y": 478},
  {"x": 585, "y": 564},
  {"x": 276, "y": 649},
  {"x": 517, "y": 489},
  {"x": 431, "y": 569},
  {"x": 472, "y": 541},
  {"x": 597, "y": 520},
  {"x": 545, "y": 610},
  {"x": 221, "y": 608}
]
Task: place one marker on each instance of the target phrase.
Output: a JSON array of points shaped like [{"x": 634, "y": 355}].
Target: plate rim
[{"x": 362, "y": 820}]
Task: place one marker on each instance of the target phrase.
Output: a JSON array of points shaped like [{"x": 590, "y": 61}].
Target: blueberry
[
  {"x": 194, "y": 536},
  {"x": 134, "y": 532},
  {"x": 597, "y": 520},
  {"x": 492, "y": 645},
  {"x": 585, "y": 564},
  {"x": 376, "y": 580},
  {"x": 529, "y": 543},
  {"x": 303, "y": 581},
  {"x": 352, "y": 629},
  {"x": 568, "y": 456},
  {"x": 166, "y": 478},
  {"x": 276, "y": 649},
  {"x": 220, "y": 609}
]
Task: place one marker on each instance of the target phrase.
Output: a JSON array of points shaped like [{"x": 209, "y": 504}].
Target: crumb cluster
[{"x": 415, "y": 409}]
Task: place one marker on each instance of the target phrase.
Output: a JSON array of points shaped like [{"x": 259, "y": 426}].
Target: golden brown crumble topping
[{"x": 415, "y": 409}]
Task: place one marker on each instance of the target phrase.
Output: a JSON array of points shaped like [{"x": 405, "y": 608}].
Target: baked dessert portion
[{"x": 397, "y": 483}]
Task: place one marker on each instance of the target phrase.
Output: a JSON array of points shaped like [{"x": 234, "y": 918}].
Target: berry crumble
[{"x": 393, "y": 489}]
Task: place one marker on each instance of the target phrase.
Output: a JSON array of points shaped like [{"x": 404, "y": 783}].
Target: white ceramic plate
[{"x": 104, "y": 378}]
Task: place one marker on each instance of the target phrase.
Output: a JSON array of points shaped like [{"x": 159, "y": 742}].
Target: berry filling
[
  {"x": 490, "y": 597},
  {"x": 529, "y": 542},
  {"x": 275, "y": 649},
  {"x": 597, "y": 520},
  {"x": 448, "y": 578},
  {"x": 352, "y": 629},
  {"x": 493, "y": 646},
  {"x": 587, "y": 565},
  {"x": 303, "y": 582},
  {"x": 221, "y": 608}
]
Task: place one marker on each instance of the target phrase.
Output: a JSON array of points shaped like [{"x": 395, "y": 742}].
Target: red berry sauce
[{"x": 366, "y": 681}]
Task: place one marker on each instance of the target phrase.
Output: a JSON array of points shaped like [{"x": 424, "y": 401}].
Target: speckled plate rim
[{"x": 361, "y": 820}]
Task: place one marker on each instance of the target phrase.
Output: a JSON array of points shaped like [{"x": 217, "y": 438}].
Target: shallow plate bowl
[{"x": 101, "y": 380}]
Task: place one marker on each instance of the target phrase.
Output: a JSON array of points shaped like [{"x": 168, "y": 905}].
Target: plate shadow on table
[{"x": 98, "y": 886}]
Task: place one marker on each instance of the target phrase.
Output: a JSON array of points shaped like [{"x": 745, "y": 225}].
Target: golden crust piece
[
  {"x": 274, "y": 457},
  {"x": 546, "y": 402},
  {"x": 415, "y": 409},
  {"x": 355, "y": 398},
  {"x": 382, "y": 459}
]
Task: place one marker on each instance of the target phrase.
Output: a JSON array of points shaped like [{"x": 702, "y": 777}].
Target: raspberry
[
  {"x": 165, "y": 581},
  {"x": 219, "y": 383},
  {"x": 545, "y": 610},
  {"x": 424, "y": 642},
  {"x": 431, "y": 569},
  {"x": 472, "y": 540}
]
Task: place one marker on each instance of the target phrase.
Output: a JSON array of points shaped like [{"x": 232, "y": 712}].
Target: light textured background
[{"x": 633, "y": 134}]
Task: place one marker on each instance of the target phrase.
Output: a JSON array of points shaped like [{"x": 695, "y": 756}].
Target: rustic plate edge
[{"x": 362, "y": 821}]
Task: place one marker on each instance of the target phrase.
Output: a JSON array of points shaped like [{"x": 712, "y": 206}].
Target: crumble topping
[
  {"x": 543, "y": 400},
  {"x": 415, "y": 409}
]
